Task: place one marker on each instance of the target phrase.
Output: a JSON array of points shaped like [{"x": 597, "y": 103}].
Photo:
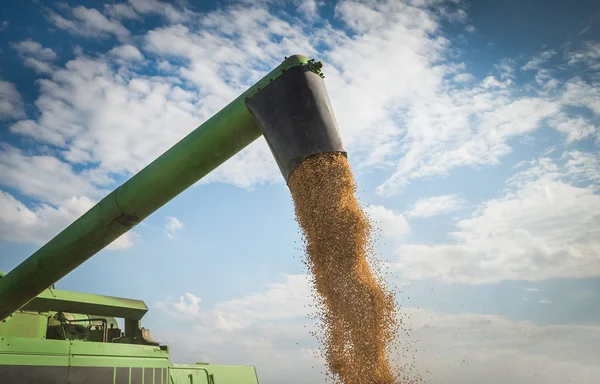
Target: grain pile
[{"x": 357, "y": 311}]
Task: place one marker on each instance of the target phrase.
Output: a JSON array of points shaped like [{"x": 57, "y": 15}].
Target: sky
[{"x": 472, "y": 129}]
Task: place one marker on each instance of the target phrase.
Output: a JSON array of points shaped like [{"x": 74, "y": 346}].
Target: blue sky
[{"x": 472, "y": 129}]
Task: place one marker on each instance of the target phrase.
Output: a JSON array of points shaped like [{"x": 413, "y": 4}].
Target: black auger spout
[{"x": 295, "y": 116}]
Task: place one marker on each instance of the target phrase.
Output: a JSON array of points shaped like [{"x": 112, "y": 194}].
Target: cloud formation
[
  {"x": 589, "y": 55},
  {"x": 30, "y": 47},
  {"x": 127, "y": 52},
  {"x": 18, "y": 223},
  {"x": 88, "y": 22},
  {"x": 539, "y": 60},
  {"x": 392, "y": 225},
  {"x": 11, "y": 104},
  {"x": 172, "y": 226},
  {"x": 546, "y": 225},
  {"x": 437, "y": 205}
]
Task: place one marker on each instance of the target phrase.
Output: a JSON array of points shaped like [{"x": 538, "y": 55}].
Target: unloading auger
[{"x": 69, "y": 337}]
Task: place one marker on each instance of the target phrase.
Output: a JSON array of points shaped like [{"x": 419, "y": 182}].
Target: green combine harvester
[{"x": 60, "y": 337}]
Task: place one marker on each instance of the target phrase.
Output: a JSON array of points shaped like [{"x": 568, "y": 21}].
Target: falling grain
[{"x": 358, "y": 314}]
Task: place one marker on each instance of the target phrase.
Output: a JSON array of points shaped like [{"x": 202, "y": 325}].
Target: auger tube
[{"x": 289, "y": 106}]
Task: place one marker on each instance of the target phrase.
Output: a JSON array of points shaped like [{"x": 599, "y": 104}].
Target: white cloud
[
  {"x": 35, "y": 56},
  {"x": 309, "y": 8},
  {"x": 392, "y": 225},
  {"x": 89, "y": 22},
  {"x": 532, "y": 289},
  {"x": 589, "y": 55},
  {"x": 37, "y": 65},
  {"x": 463, "y": 78},
  {"x": 121, "y": 11},
  {"x": 542, "y": 76},
  {"x": 187, "y": 306},
  {"x": 253, "y": 166},
  {"x": 46, "y": 178},
  {"x": 127, "y": 52},
  {"x": 474, "y": 132},
  {"x": 544, "y": 301},
  {"x": 19, "y": 223},
  {"x": 38, "y": 225},
  {"x": 63, "y": 196},
  {"x": 550, "y": 85},
  {"x": 62, "y": 193},
  {"x": 169, "y": 11},
  {"x": 470, "y": 29},
  {"x": 462, "y": 134},
  {"x": 574, "y": 129},
  {"x": 4, "y": 25},
  {"x": 268, "y": 329},
  {"x": 582, "y": 166},
  {"x": 360, "y": 17},
  {"x": 11, "y": 104},
  {"x": 543, "y": 227},
  {"x": 224, "y": 39},
  {"x": 538, "y": 60},
  {"x": 34, "y": 49},
  {"x": 115, "y": 119},
  {"x": 172, "y": 225},
  {"x": 283, "y": 300},
  {"x": 505, "y": 68},
  {"x": 165, "y": 66},
  {"x": 579, "y": 93},
  {"x": 447, "y": 10},
  {"x": 388, "y": 36},
  {"x": 492, "y": 82},
  {"x": 437, "y": 205}
]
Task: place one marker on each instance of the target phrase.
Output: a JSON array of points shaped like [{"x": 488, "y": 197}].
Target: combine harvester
[{"x": 61, "y": 337}]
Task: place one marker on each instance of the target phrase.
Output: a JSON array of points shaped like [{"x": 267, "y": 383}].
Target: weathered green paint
[
  {"x": 181, "y": 374},
  {"x": 211, "y": 144},
  {"x": 77, "y": 302},
  {"x": 27, "y": 351},
  {"x": 25, "y": 324},
  {"x": 90, "y": 362},
  {"x": 96, "y": 354}
]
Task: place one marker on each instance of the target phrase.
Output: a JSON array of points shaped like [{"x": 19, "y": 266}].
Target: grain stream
[{"x": 357, "y": 312}]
